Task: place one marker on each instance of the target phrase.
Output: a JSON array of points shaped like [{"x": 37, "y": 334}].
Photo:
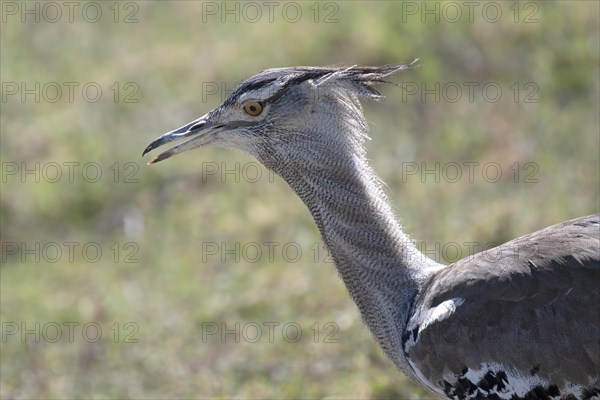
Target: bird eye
[{"x": 253, "y": 108}]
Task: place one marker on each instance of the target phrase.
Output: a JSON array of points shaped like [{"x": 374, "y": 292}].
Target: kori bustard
[{"x": 520, "y": 321}]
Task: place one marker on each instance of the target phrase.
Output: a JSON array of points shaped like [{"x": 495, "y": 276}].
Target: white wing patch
[
  {"x": 438, "y": 313},
  {"x": 441, "y": 312}
]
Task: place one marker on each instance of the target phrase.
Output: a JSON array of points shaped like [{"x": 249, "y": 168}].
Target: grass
[{"x": 167, "y": 234}]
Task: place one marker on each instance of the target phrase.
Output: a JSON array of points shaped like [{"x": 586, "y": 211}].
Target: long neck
[{"x": 380, "y": 266}]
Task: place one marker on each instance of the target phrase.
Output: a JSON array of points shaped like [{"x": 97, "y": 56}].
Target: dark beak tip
[
  {"x": 156, "y": 143},
  {"x": 147, "y": 150}
]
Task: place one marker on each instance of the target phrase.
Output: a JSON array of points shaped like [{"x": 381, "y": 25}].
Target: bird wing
[{"x": 520, "y": 316}]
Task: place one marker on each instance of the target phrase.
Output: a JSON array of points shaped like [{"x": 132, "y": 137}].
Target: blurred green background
[{"x": 161, "y": 257}]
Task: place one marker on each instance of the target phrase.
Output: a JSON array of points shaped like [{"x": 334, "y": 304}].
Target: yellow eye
[{"x": 253, "y": 108}]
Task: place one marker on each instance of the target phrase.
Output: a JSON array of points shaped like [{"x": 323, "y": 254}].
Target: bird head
[{"x": 278, "y": 112}]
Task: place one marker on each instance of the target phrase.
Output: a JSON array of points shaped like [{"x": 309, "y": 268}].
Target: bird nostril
[{"x": 199, "y": 125}]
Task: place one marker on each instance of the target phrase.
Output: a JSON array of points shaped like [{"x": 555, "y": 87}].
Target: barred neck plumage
[{"x": 380, "y": 265}]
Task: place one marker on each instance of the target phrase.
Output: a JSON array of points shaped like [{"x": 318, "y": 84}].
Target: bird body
[{"x": 520, "y": 321}]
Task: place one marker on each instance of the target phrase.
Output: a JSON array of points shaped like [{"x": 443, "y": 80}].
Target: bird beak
[{"x": 201, "y": 131}]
